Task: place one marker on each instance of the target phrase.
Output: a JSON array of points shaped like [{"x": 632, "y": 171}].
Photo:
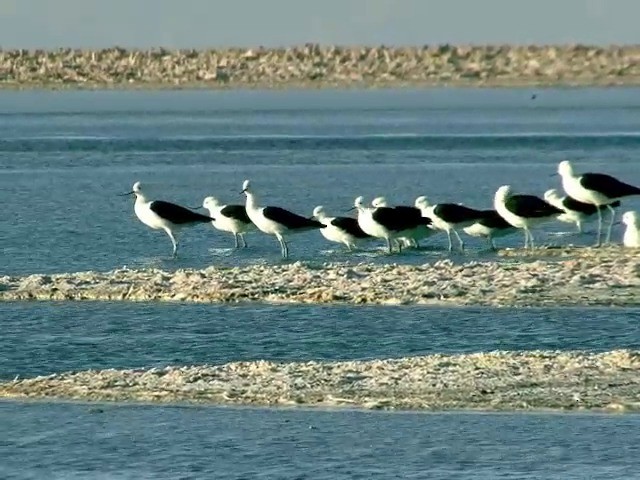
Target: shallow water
[
  {"x": 140, "y": 442},
  {"x": 65, "y": 155},
  {"x": 44, "y": 338}
]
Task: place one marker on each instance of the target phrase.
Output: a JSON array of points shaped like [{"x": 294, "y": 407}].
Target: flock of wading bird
[{"x": 586, "y": 195}]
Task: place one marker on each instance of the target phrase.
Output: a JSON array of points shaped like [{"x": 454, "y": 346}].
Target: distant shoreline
[{"x": 314, "y": 66}]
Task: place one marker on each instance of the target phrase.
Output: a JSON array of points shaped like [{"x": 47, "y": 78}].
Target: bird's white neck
[
  {"x": 140, "y": 199},
  {"x": 252, "y": 201}
]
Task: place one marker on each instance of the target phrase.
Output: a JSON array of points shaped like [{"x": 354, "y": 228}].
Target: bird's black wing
[
  {"x": 349, "y": 225},
  {"x": 411, "y": 215},
  {"x": 237, "y": 212},
  {"x": 289, "y": 219},
  {"x": 396, "y": 219},
  {"x": 176, "y": 214},
  {"x": 530, "y": 206},
  {"x": 607, "y": 185},
  {"x": 492, "y": 219},
  {"x": 572, "y": 204},
  {"x": 454, "y": 213}
]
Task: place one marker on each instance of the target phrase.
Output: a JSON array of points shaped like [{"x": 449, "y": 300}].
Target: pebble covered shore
[
  {"x": 315, "y": 66},
  {"x": 543, "y": 277},
  {"x": 536, "y": 380}
]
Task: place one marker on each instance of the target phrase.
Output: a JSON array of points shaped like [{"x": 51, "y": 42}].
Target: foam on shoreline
[
  {"x": 543, "y": 277},
  {"x": 494, "y": 381}
]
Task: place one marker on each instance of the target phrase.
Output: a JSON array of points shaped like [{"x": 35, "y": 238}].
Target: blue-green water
[{"x": 65, "y": 155}]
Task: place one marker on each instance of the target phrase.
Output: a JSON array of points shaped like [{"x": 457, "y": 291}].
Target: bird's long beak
[
  {"x": 196, "y": 208},
  {"x": 243, "y": 191},
  {"x": 352, "y": 208},
  {"x": 554, "y": 174},
  {"x": 125, "y": 194}
]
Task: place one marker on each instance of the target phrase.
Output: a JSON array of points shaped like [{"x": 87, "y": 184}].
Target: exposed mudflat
[
  {"x": 537, "y": 380},
  {"x": 542, "y": 277}
]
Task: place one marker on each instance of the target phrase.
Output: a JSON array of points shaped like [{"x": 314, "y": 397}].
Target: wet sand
[
  {"x": 495, "y": 381},
  {"x": 542, "y": 277}
]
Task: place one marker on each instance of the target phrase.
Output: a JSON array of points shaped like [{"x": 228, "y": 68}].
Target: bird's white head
[
  {"x": 358, "y": 202},
  {"x": 246, "y": 187},
  {"x": 630, "y": 218},
  {"x": 379, "y": 202},
  {"x": 318, "y": 212},
  {"x": 135, "y": 191},
  {"x": 552, "y": 196},
  {"x": 565, "y": 169},
  {"x": 421, "y": 202},
  {"x": 502, "y": 193},
  {"x": 210, "y": 202}
]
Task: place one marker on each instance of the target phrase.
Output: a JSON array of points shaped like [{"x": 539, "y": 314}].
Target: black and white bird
[
  {"x": 161, "y": 215},
  {"x": 490, "y": 227},
  {"x": 275, "y": 220},
  {"x": 229, "y": 218},
  {"x": 343, "y": 230},
  {"x": 631, "y": 237},
  {"x": 574, "y": 211},
  {"x": 523, "y": 211},
  {"x": 419, "y": 227},
  {"x": 449, "y": 216},
  {"x": 597, "y": 189}
]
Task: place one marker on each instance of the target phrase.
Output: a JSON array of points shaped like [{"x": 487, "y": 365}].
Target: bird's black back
[
  {"x": 530, "y": 206},
  {"x": 176, "y": 214},
  {"x": 291, "y": 220},
  {"x": 237, "y": 212},
  {"x": 454, "y": 213},
  {"x": 493, "y": 220},
  {"x": 607, "y": 185},
  {"x": 349, "y": 225},
  {"x": 399, "y": 218}
]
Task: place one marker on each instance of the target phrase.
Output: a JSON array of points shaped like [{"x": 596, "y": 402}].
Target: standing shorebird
[
  {"x": 574, "y": 211},
  {"x": 597, "y": 189},
  {"x": 339, "y": 229},
  {"x": 161, "y": 215},
  {"x": 523, "y": 211},
  {"x": 490, "y": 227},
  {"x": 631, "y": 237},
  {"x": 385, "y": 222},
  {"x": 275, "y": 220},
  {"x": 416, "y": 227},
  {"x": 449, "y": 216},
  {"x": 229, "y": 218}
]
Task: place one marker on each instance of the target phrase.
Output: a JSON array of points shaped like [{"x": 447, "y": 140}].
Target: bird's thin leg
[
  {"x": 492, "y": 245},
  {"x": 526, "y": 239},
  {"x": 399, "y": 243},
  {"x": 531, "y": 245},
  {"x": 599, "y": 226},
  {"x": 613, "y": 214},
  {"x": 459, "y": 240},
  {"x": 235, "y": 237},
  {"x": 349, "y": 246},
  {"x": 389, "y": 245},
  {"x": 449, "y": 237},
  {"x": 244, "y": 240},
  {"x": 282, "y": 248},
  {"x": 174, "y": 242},
  {"x": 579, "y": 226}
]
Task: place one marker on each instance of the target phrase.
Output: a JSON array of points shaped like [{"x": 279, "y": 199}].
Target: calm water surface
[{"x": 64, "y": 156}]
